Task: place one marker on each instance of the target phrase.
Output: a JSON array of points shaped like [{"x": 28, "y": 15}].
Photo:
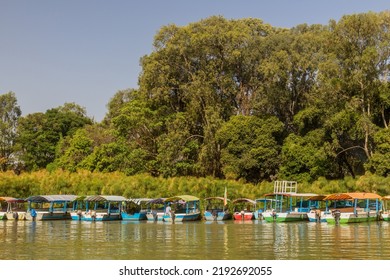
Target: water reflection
[{"x": 193, "y": 240}]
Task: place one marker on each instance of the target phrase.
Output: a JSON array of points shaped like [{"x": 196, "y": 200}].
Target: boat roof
[
  {"x": 11, "y": 199},
  {"x": 186, "y": 198},
  {"x": 51, "y": 198},
  {"x": 292, "y": 194},
  {"x": 156, "y": 201},
  {"x": 216, "y": 198},
  {"x": 264, "y": 199},
  {"x": 105, "y": 198},
  {"x": 138, "y": 201},
  {"x": 349, "y": 196},
  {"x": 386, "y": 197},
  {"x": 238, "y": 200},
  {"x": 317, "y": 197}
]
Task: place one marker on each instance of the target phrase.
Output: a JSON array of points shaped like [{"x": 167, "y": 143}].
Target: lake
[{"x": 230, "y": 240}]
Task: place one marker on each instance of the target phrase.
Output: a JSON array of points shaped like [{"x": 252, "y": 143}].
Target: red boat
[{"x": 244, "y": 209}]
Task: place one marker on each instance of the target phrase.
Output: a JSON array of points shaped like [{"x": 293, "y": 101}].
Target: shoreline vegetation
[
  {"x": 221, "y": 104},
  {"x": 146, "y": 186}
]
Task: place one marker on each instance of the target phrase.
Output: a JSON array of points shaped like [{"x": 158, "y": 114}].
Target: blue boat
[
  {"x": 216, "y": 209},
  {"x": 49, "y": 207},
  {"x": 155, "y": 210},
  {"x": 181, "y": 208},
  {"x": 135, "y": 209},
  {"x": 99, "y": 208}
]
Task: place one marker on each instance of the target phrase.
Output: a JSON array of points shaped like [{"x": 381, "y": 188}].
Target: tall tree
[{"x": 9, "y": 117}]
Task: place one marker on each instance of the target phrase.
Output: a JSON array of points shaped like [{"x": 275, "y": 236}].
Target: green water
[{"x": 74, "y": 240}]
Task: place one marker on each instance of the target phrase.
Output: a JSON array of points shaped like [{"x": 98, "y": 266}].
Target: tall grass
[{"x": 143, "y": 185}]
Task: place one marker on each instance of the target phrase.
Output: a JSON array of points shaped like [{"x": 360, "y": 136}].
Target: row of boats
[{"x": 285, "y": 204}]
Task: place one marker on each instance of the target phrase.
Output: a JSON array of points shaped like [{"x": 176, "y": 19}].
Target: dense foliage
[{"x": 229, "y": 99}]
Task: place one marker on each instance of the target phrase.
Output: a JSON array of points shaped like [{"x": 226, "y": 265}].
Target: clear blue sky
[{"x": 84, "y": 51}]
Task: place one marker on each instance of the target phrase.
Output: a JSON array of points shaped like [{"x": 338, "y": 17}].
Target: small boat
[
  {"x": 181, "y": 208},
  {"x": 353, "y": 207},
  {"x": 135, "y": 209},
  {"x": 216, "y": 209},
  {"x": 12, "y": 208},
  {"x": 49, "y": 207},
  {"x": 287, "y": 204},
  {"x": 318, "y": 210},
  {"x": 155, "y": 209},
  {"x": 262, "y": 205},
  {"x": 385, "y": 212},
  {"x": 244, "y": 209},
  {"x": 100, "y": 208}
]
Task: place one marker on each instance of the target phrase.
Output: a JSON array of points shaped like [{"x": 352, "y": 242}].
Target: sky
[{"x": 84, "y": 51}]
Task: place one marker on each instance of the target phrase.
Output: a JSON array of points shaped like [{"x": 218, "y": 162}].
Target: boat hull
[
  {"x": 349, "y": 217},
  {"x": 48, "y": 216},
  {"x": 134, "y": 217},
  {"x": 247, "y": 216},
  {"x": 316, "y": 217},
  {"x": 96, "y": 217},
  {"x": 155, "y": 216},
  {"x": 284, "y": 217},
  {"x": 217, "y": 216},
  {"x": 181, "y": 217}
]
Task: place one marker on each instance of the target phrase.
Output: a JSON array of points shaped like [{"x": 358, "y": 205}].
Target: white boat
[
  {"x": 12, "y": 208},
  {"x": 352, "y": 208},
  {"x": 100, "y": 208},
  {"x": 49, "y": 207}
]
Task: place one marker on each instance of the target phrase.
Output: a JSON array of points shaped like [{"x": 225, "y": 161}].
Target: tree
[
  {"x": 9, "y": 116},
  {"x": 249, "y": 147},
  {"x": 39, "y": 133}
]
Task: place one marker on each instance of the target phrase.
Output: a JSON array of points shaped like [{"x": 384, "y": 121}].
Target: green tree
[
  {"x": 40, "y": 133},
  {"x": 9, "y": 116},
  {"x": 249, "y": 147}
]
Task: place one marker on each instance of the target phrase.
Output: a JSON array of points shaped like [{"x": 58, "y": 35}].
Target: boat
[
  {"x": 12, "y": 208},
  {"x": 353, "y": 207},
  {"x": 135, "y": 209},
  {"x": 287, "y": 204},
  {"x": 385, "y": 211},
  {"x": 216, "y": 209},
  {"x": 181, "y": 208},
  {"x": 100, "y": 208},
  {"x": 155, "y": 210},
  {"x": 262, "y": 205},
  {"x": 319, "y": 210},
  {"x": 49, "y": 207},
  {"x": 244, "y": 209}
]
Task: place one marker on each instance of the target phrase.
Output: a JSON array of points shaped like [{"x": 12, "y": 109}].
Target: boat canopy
[
  {"x": 114, "y": 198},
  {"x": 11, "y": 199},
  {"x": 186, "y": 198},
  {"x": 51, "y": 198},
  {"x": 156, "y": 201},
  {"x": 350, "y": 196},
  {"x": 386, "y": 197},
  {"x": 238, "y": 200},
  {"x": 216, "y": 198},
  {"x": 138, "y": 201},
  {"x": 317, "y": 198},
  {"x": 307, "y": 195}
]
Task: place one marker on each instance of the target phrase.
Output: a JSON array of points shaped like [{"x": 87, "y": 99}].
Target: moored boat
[
  {"x": 135, "y": 209},
  {"x": 216, "y": 209},
  {"x": 287, "y": 204},
  {"x": 155, "y": 209},
  {"x": 352, "y": 207},
  {"x": 12, "y": 208},
  {"x": 181, "y": 208},
  {"x": 244, "y": 209},
  {"x": 385, "y": 211},
  {"x": 49, "y": 207},
  {"x": 319, "y": 210},
  {"x": 100, "y": 208}
]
